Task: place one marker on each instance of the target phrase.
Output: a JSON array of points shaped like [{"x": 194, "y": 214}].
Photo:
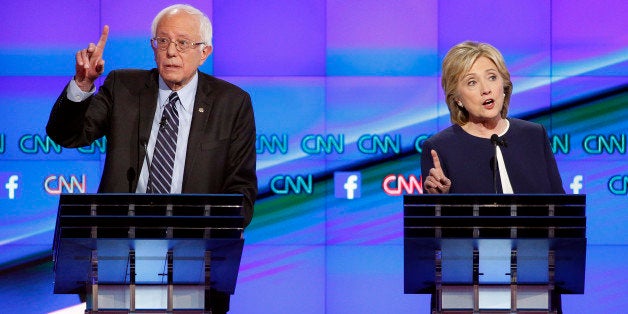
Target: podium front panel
[
  {"x": 150, "y": 226},
  {"x": 443, "y": 231}
]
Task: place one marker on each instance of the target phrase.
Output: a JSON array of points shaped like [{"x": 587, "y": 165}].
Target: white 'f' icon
[
  {"x": 576, "y": 184},
  {"x": 11, "y": 186},
  {"x": 351, "y": 185}
]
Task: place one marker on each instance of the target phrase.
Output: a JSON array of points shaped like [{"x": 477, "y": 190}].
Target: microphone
[
  {"x": 496, "y": 142},
  {"x": 163, "y": 122},
  {"x": 138, "y": 142},
  {"x": 130, "y": 177},
  {"x": 145, "y": 146},
  {"x": 495, "y": 139}
]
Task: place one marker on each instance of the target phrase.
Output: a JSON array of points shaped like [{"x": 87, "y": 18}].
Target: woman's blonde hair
[{"x": 457, "y": 62}]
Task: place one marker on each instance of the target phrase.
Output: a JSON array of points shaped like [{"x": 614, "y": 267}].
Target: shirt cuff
[{"x": 75, "y": 94}]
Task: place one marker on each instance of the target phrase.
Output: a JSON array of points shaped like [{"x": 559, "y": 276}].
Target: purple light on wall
[
  {"x": 369, "y": 38},
  {"x": 45, "y": 24},
  {"x": 519, "y": 29},
  {"x": 381, "y": 24},
  {"x": 133, "y": 18},
  {"x": 277, "y": 38},
  {"x": 590, "y": 37}
]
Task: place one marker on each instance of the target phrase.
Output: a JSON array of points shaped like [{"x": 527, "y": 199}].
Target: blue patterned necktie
[{"x": 160, "y": 174}]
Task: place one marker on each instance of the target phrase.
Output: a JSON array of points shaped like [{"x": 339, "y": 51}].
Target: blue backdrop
[{"x": 338, "y": 88}]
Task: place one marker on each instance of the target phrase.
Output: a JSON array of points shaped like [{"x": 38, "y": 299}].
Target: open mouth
[{"x": 488, "y": 102}]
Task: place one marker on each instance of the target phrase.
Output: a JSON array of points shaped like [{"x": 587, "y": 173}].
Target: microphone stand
[
  {"x": 148, "y": 183},
  {"x": 495, "y": 140}
]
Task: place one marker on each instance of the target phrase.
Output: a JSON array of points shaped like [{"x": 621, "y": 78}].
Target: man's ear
[{"x": 205, "y": 53}]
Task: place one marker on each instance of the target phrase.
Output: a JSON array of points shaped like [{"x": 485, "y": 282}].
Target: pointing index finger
[
  {"x": 103, "y": 37},
  {"x": 435, "y": 159}
]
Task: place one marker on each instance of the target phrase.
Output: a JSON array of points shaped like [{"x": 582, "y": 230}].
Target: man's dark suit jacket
[{"x": 220, "y": 157}]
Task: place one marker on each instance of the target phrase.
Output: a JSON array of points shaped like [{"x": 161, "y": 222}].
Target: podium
[
  {"x": 147, "y": 253},
  {"x": 494, "y": 253}
]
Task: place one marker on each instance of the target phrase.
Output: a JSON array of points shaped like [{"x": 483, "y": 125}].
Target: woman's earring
[{"x": 459, "y": 103}]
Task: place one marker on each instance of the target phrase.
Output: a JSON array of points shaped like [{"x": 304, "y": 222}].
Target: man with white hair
[{"x": 210, "y": 139}]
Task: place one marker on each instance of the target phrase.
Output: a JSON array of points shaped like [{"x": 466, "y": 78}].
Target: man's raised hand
[{"x": 89, "y": 62}]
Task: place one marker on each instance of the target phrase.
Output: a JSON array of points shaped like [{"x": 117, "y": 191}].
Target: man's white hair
[{"x": 205, "y": 24}]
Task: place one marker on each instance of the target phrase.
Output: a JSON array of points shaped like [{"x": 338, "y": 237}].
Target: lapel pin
[{"x": 201, "y": 110}]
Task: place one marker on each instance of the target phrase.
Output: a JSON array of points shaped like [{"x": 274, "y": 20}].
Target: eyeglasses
[{"x": 162, "y": 43}]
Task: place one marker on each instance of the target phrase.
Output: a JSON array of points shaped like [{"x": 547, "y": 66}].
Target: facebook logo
[
  {"x": 10, "y": 185},
  {"x": 347, "y": 185},
  {"x": 576, "y": 185}
]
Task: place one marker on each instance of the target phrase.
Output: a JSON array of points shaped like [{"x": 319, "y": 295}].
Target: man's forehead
[{"x": 178, "y": 27}]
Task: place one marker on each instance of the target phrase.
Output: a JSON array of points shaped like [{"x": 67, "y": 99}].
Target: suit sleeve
[
  {"x": 65, "y": 123},
  {"x": 241, "y": 174},
  {"x": 77, "y": 124}
]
